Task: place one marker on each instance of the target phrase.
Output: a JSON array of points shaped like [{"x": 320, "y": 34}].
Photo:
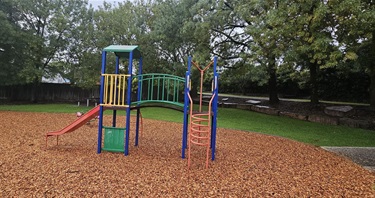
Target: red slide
[{"x": 77, "y": 123}]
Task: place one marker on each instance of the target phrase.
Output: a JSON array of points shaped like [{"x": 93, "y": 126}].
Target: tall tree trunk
[
  {"x": 372, "y": 88},
  {"x": 272, "y": 82},
  {"x": 372, "y": 75},
  {"x": 195, "y": 83},
  {"x": 35, "y": 91},
  {"x": 314, "y": 87}
]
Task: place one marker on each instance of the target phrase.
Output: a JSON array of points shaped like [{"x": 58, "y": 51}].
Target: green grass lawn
[{"x": 303, "y": 131}]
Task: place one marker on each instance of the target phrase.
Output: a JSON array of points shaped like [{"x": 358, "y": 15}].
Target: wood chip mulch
[{"x": 247, "y": 164}]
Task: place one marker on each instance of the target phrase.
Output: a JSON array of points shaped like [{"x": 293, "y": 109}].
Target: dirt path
[{"x": 246, "y": 165}]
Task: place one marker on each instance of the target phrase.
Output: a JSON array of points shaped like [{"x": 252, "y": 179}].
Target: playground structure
[{"x": 152, "y": 90}]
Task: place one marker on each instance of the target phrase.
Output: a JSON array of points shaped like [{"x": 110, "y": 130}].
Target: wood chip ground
[{"x": 247, "y": 164}]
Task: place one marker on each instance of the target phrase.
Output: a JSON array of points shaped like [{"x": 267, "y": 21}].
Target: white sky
[{"x": 97, "y": 3}]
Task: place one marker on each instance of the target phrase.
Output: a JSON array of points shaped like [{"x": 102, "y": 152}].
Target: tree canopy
[{"x": 276, "y": 44}]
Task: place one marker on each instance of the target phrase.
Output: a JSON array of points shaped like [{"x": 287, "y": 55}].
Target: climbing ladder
[
  {"x": 200, "y": 131},
  {"x": 201, "y": 122}
]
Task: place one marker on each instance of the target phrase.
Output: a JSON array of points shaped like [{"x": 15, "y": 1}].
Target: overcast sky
[{"x": 96, "y": 3}]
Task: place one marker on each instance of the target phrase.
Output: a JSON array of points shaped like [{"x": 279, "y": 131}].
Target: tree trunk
[
  {"x": 314, "y": 87},
  {"x": 272, "y": 82},
  {"x": 195, "y": 83},
  {"x": 35, "y": 91},
  {"x": 372, "y": 89},
  {"x": 372, "y": 75}
]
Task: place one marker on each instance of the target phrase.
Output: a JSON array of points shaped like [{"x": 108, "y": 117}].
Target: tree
[
  {"x": 48, "y": 25},
  {"x": 355, "y": 21},
  {"x": 312, "y": 39},
  {"x": 243, "y": 34},
  {"x": 81, "y": 61},
  {"x": 176, "y": 36},
  {"x": 125, "y": 24},
  {"x": 12, "y": 43},
  {"x": 295, "y": 33},
  {"x": 266, "y": 26},
  {"x": 172, "y": 30}
]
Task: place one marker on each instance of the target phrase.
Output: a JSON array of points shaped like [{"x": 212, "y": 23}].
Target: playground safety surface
[{"x": 247, "y": 164}]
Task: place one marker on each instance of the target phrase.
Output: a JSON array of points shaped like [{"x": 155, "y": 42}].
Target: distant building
[{"x": 58, "y": 79}]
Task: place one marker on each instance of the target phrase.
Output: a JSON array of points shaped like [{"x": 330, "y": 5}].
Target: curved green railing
[{"x": 160, "y": 88}]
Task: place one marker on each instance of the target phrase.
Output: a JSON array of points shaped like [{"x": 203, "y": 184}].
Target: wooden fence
[{"x": 47, "y": 92}]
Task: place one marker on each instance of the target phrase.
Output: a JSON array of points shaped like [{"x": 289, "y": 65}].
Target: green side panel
[{"x": 114, "y": 139}]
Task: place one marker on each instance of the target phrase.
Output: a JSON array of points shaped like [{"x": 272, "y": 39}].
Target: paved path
[
  {"x": 364, "y": 156},
  {"x": 286, "y": 99}
]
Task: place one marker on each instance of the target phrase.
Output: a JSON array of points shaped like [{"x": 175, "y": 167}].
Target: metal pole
[
  {"x": 214, "y": 109},
  {"x": 186, "y": 109},
  {"x": 100, "y": 125},
  {"x": 138, "y": 99},
  {"x": 130, "y": 67},
  {"x": 114, "y": 118}
]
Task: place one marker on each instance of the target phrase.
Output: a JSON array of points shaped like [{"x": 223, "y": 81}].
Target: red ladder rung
[
  {"x": 199, "y": 137},
  {"x": 199, "y": 126},
  {"x": 199, "y": 131},
  {"x": 200, "y": 144},
  {"x": 200, "y": 120}
]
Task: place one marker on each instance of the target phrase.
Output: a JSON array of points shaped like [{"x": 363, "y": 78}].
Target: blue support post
[
  {"x": 139, "y": 94},
  {"x": 100, "y": 127},
  {"x": 137, "y": 127},
  {"x": 126, "y": 149},
  {"x": 214, "y": 109},
  {"x": 186, "y": 110},
  {"x": 115, "y": 111}
]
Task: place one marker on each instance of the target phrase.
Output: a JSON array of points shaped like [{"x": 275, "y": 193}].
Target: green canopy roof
[{"x": 123, "y": 51}]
